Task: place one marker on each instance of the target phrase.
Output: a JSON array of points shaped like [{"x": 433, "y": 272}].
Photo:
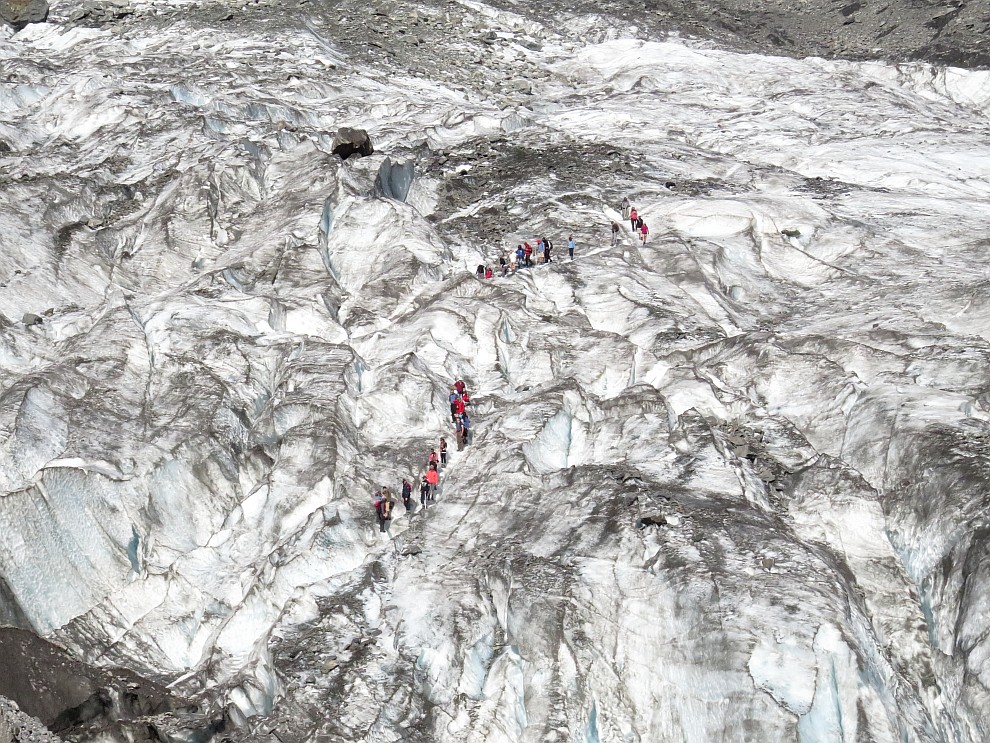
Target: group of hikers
[
  {"x": 383, "y": 501},
  {"x": 636, "y": 223},
  {"x": 526, "y": 255}
]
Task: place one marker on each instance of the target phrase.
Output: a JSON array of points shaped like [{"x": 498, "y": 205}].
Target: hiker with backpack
[
  {"x": 383, "y": 510},
  {"x": 547, "y": 247},
  {"x": 643, "y": 231},
  {"x": 424, "y": 492},
  {"x": 459, "y": 432}
]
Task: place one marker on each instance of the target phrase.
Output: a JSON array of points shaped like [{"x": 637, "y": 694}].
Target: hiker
[
  {"x": 466, "y": 399},
  {"x": 434, "y": 457},
  {"x": 383, "y": 509},
  {"x": 615, "y": 233},
  {"x": 547, "y": 247},
  {"x": 520, "y": 256},
  {"x": 528, "y": 250},
  {"x": 459, "y": 432},
  {"x": 633, "y": 216},
  {"x": 644, "y": 231},
  {"x": 459, "y": 406},
  {"x": 488, "y": 272},
  {"x": 452, "y": 398},
  {"x": 406, "y": 494},
  {"x": 424, "y": 492},
  {"x": 625, "y": 207},
  {"x": 570, "y": 246},
  {"x": 443, "y": 452},
  {"x": 466, "y": 422},
  {"x": 460, "y": 386},
  {"x": 433, "y": 478},
  {"x": 503, "y": 266},
  {"x": 480, "y": 271}
]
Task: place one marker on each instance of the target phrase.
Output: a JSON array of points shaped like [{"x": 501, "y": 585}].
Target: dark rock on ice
[
  {"x": 348, "y": 141},
  {"x": 30, "y": 319},
  {"x": 19, "y": 13},
  {"x": 654, "y": 519}
]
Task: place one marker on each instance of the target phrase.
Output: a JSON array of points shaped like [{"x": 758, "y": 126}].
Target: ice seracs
[{"x": 243, "y": 335}]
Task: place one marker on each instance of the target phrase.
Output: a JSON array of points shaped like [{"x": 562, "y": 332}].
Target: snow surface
[{"x": 241, "y": 340}]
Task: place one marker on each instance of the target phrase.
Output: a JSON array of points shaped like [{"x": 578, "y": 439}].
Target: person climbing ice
[
  {"x": 466, "y": 422},
  {"x": 459, "y": 432},
  {"x": 644, "y": 231},
  {"x": 633, "y": 216},
  {"x": 434, "y": 457},
  {"x": 406, "y": 493},
  {"x": 520, "y": 256},
  {"x": 459, "y": 386},
  {"x": 528, "y": 250},
  {"x": 570, "y": 246},
  {"x": 459, "y": 406},
  {"x": 547, "y": 247},
  {"x": 453, "y": 397},
  {"x": 625, "y": 207},
  {"x": 443, "y": 452},
  {"x": 383, "y": 509},
  {"x": 424, "y": 492},
  {"x": 615, "y": 233}
]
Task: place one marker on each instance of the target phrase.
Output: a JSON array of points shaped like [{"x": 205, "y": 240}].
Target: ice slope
[{"x": 241, "y": 338}]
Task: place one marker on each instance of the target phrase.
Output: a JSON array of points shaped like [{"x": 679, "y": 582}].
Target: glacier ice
[{"x": 241, "y": 339}]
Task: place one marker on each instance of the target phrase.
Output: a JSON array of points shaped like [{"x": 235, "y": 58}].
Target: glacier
[{"x": 727, "y": 485}]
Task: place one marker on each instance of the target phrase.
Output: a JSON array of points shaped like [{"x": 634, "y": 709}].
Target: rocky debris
[
  {"x": 17, "y": 727},
  {"x": 30, "y": 319},
  {"x": 348, "y": 141},
  {"x": 395, "y": 179},
  {"x": 19, "y": 13},
  {"x": 65, "y": 693},
  {"x": 94, "y": 13}
]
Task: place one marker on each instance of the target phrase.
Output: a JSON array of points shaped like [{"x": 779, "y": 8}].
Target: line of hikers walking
[
  {"x": 636, "y": 223},
  {"x": 525, "y": 256},
  {"x": 429, "y": 487}
]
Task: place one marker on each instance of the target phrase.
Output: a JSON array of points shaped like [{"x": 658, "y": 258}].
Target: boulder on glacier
[
  {"x": 348, "y": 141},
  {"x": 395, "y": 179},
  {"x": 19, "y": 13}
]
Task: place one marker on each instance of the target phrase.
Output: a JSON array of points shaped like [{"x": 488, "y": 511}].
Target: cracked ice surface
[{"x": 240, "y": 340}]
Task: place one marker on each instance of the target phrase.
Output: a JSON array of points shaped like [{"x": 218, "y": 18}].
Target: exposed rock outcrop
[{"x": 19, "y": 13}]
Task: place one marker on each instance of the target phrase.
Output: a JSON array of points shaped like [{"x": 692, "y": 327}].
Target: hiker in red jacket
[
  {"x": 528, "y": 250},
  {"x": 633, "y": 216},
  {"x": 433, "y": 477}
]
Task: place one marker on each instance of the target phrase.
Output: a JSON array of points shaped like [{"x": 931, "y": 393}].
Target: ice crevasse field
[{"x": 727, "y": 485}]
